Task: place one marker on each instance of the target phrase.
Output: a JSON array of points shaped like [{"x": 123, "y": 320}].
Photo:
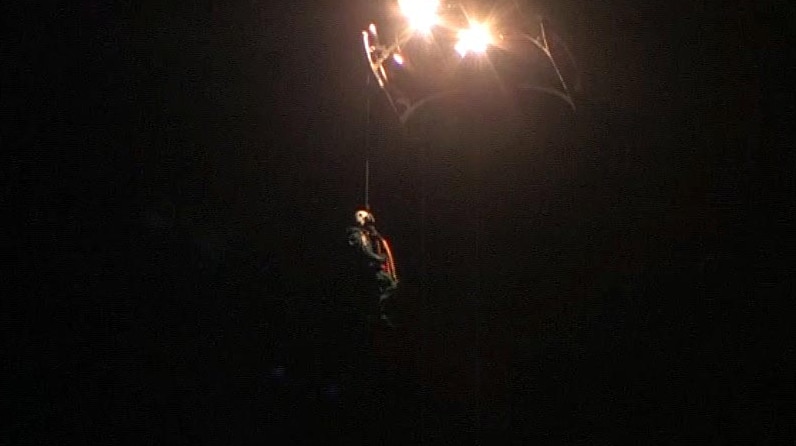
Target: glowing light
[
  {"x": 398, "y": 58},
  {"x": 422, "y": 14},
  {"x": 475, "y": 39}
]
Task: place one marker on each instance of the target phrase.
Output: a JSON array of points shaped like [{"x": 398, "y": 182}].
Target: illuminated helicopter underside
[{"x": 438, "y": 49}]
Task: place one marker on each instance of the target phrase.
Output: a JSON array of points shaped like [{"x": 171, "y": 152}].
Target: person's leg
[{"x": 387, "y": 287}]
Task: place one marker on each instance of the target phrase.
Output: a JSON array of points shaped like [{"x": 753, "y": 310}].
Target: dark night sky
[{"x": 178, "y": 180}]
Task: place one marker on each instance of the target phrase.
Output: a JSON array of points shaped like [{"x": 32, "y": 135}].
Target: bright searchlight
[
  {"x": 475, "y": 39},
  {"x": 421, "y": 14}
]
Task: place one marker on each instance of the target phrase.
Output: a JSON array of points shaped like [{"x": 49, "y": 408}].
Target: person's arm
[
  {"x": 367, "y": 248},
  {"x": 356, "y": 238}
]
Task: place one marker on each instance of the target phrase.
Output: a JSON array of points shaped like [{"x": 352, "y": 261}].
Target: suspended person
[{"x": 376, "y": 259}]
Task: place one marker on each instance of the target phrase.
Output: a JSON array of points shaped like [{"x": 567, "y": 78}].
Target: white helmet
[{"x": 363, "y": 217}]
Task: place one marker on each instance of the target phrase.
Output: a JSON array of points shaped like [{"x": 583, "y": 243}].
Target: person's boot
[{"x": 387, "y": 321}]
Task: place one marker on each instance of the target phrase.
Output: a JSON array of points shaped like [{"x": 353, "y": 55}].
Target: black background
[{"x": 178, "y": 179}]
